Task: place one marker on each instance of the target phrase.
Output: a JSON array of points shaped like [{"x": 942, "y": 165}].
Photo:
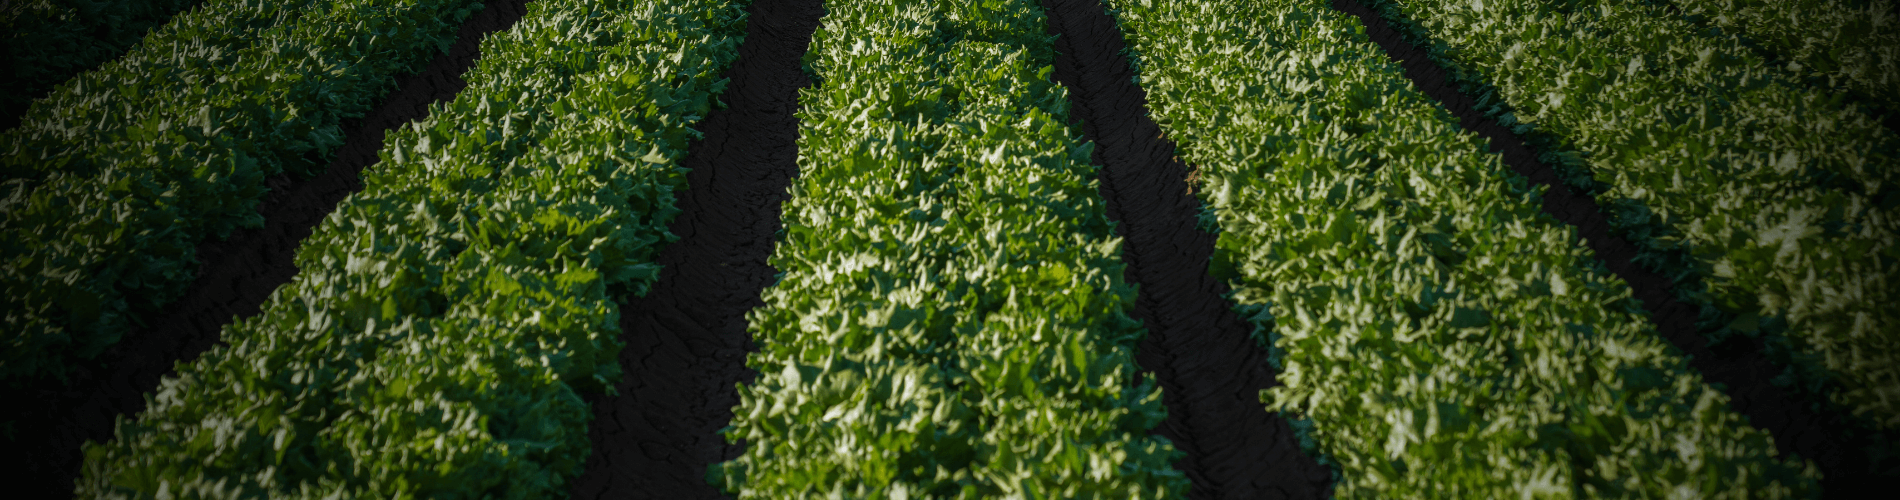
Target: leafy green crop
[
  {"x": 1444, "y": 337},
  {"x": 94, "y": 108},
  {"x": 1852, "y": 45},
  {"x": 119, "y": 176},
  {"x": 1781, "y": 198},
  {"x": 47, "y": 42},
  {"x": 447, "y": 317},
  {"x": 950, "y": 319}
]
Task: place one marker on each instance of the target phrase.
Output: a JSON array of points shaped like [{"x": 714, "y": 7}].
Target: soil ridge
[
  {"x": 1204, "y": 357},
  {"x": 687, "y": 339},
  {"x": 1739, "y": 366},
  {"x": 234, "y": 277}
]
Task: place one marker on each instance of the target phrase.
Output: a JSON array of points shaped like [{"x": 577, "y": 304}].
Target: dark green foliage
[
  {"x": 1439, "y": 336},
  {"x": 113, "y": 181},
  {"x": 950, "y": 322},
  {"x": 447, "y": 318},
  {"x": 1766, "y": 197},
  {"x": 47, "y": 42}
]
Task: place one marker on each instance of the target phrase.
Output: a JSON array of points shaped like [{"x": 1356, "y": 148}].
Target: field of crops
[{"x": 1109, "y": 249}]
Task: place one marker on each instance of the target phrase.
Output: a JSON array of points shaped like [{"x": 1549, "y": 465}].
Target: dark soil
[
  {"x": 1209, "y": 367},
  {"x": 1740, "y": 366},
  {"x": 235, "y": 276},
  {"x": 686, "y": 340}
]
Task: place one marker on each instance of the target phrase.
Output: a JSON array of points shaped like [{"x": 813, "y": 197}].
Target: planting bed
[
  {"x": 1801, "y": 424},
  {"x": 686, "y": 340},
  {"x": 1205, "y": 358},
  {"x": 47, "y": 42},
  {"x": 233, "y": 278},
  {"x": 937, "y": 249}
]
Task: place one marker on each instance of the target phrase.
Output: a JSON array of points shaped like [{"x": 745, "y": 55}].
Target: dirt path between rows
[
  {"x": 234, "y": 278},
  {"x": 1209, "y": 367},
  {"x": 1740, "y": 365},
  {"x": 687, "y": 340}
]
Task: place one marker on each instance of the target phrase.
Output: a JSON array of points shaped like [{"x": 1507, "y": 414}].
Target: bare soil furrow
[
  {"x": 687, "y": 339},
  {"x": 1209, "y": 367},
  {"x": 234, "y": 278},
  {"x": 1740, "y": 366}
]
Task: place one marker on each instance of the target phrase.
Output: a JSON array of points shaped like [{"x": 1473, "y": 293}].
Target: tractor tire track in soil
[
  {"x": 234, "y": 278},
  {"x": 686, "y": 340},
  {"x": 1739, "y": 364},
  {"x": 1209, "y": 367}
]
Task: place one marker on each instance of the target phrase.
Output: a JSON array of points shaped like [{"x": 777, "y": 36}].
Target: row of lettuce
[
  {"x": 46, "y": 42},
  {"x": 950, "y": 321},
  {"x": 1443, "y": 337},
  {"x": 1848, "y": 45},
  {"x": 448, "y": 316},
  {"x": 1772, "y": 201},
  {"x": 110, "y": 183}
]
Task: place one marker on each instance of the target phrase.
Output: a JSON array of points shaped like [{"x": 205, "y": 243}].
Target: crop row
[
  {"x": 448, "y": 316},
  {"x": 1851, "y": 45},
  {"x": 950, "y": 318},
  {"x": 1443, "y": 337},
  {"x": 47, "y": 42},
  {"x": 1776, "y": 197},
  {"x": 113, "y": 181}
]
